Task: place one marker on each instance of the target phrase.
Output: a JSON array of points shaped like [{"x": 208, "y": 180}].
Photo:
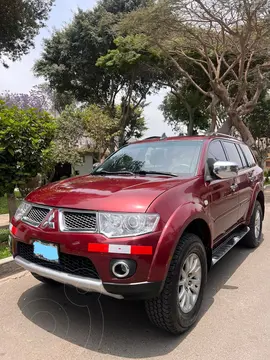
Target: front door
[{"x": 222, "y": 195}]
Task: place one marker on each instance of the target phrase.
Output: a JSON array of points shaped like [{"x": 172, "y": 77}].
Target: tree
[
  {"x": 69, "y": 58},
  {"x": 20, "y": 21},
  {"x": 228, "y": 40},
  {"x": 122, "y": 6},
  {"x": 136, "y": 124},
  {"x": 259, "y": 124},
  {"x": 100, "y": 128},
  {"x": 135, "y": 65},
  {"x": 190, "y": 109},
  {"x": 70, "y": 129},
  {"x": 40, "y": 97},
  {"x": 69, "y": 62},
  {"x": 89, "y": 128},
  {"x": 24, "y": 137}
]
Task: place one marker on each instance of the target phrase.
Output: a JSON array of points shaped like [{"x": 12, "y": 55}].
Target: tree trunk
[
  {"x": 49, "y": 179},
  {"x": 191, "y": 122},
  {"x": 212, "y": 126},
  {"x": 122, "y": 135},
  {"x": 235, "y": 120},
  {"x": 213, "y": 112},
  {"x": 12, "y": 206},
  {"x": 226, "y": 127},
  {"x": 244, "y": 131}
]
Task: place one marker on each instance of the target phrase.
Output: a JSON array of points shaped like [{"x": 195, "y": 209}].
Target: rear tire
[
  {"x": 168, "y": 311},
  {"x": 254, "y": 236},
  {"x": 46, "y": 280}
]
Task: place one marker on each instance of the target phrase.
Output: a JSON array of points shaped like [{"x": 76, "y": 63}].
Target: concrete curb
[{"x": 9, "y": 267}]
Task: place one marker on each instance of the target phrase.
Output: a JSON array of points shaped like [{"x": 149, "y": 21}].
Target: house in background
[
  {"x": 88, "y": 155},
  {"x": 86, "y": 148},
  {"x": 267, "y": 163}
]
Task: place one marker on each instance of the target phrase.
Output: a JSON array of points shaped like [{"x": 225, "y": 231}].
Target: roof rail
[
  {"x": 220, "y": 134},
  {"x": 162, "y": 137},
  {"x": 152, "y": 137}
]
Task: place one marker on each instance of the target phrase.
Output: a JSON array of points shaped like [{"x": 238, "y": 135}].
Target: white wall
[{"x": 86, "y": 167}]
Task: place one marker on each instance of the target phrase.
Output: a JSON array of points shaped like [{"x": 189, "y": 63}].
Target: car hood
[{"x": 104, "y": 193}]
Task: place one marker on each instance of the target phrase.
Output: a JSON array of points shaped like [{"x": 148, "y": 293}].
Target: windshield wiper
[
  {"x": 123, "y": 172},
  {"x": 149, "y": 172},
  {"x": 141, "y": 172}
]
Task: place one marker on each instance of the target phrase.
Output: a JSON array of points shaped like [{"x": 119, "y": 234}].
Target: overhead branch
[
  {"x": 230, "y": 69},
  {"x": 248, "y": 66},
  {"x": 215, "y": 18},
  {"x": 184, "y": 72},
  {"x": 197, "y": 62}
]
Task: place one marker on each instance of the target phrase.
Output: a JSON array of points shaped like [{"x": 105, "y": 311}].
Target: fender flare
[
  {"x": 255, "y": 194},
  {"x": 182, "y": 217}
]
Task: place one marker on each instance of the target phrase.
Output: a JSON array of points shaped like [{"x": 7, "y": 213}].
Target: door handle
[
  {"x": 252, "y": 178},
  {"x": 234, "y": 187}
]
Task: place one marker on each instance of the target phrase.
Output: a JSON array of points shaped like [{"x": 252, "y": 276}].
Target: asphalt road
[{"x": 40, "y": 323}]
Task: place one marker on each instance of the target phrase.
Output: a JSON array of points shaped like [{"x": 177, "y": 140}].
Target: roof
[{"x": 196, "y": 137}]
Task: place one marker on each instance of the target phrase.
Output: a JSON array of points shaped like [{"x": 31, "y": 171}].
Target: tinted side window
[
  {"x": 248, "y": 154},
  {"x": 216, "y": 152},
  {"x": 233, "y": 153},
  {"x": 244, "y": 162}
]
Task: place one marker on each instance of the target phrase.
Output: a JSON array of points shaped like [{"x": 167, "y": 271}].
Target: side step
[{"x": 225, "y": 247}]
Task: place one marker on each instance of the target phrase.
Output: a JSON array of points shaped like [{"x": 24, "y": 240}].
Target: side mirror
[{"x": 225, "y": 169}]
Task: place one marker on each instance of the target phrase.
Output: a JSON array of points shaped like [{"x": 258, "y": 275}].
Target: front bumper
[{"x": 143, "y": 290}]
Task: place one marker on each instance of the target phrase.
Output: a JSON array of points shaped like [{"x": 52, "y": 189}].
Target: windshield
[{"x": 169, "y": 157}]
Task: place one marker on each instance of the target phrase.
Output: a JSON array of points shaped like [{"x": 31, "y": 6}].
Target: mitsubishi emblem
[{"x": 50, "y": 222}]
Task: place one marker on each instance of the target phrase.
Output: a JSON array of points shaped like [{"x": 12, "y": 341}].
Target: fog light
[{"x": 123, "y": 268}]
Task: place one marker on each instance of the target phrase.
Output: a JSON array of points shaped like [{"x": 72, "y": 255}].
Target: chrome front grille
[
  {"x": 36, "y": 215},
  {"x": 78, "y": 221}
]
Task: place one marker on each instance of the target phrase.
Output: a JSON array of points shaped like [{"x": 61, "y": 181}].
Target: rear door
[
  {"x": 223, "y": 200},
  {"x": 235, "y": 154},
  {"x": 250, "y": 181}
]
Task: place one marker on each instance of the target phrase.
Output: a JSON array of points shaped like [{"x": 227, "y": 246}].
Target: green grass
[
  {"x": 4, "y": 203},
  {"x": 4, "y": 235},
  {"x": 4, "y": 249}
]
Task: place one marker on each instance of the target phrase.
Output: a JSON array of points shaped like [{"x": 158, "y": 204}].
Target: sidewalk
[
  {"x": 267, "y": 194},
  {"x": 4, "y": 221}
]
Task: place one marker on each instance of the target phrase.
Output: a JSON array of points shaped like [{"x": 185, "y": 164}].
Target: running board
[{"x": 225, "y": 247}]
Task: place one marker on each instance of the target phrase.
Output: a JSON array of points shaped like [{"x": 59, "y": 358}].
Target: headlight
[
  {"x": 122, "y": 225},
  {"x": 22, "y": 210}
]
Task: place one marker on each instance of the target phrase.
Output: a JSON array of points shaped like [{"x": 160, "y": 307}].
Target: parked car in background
[{"x": 148, "y": 223}]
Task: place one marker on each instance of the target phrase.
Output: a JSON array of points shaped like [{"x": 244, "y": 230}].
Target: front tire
[
  {"x": 254, "y": 236},
  {"x": 178, "y": 306}
]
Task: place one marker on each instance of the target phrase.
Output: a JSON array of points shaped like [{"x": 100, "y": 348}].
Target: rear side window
[
  {"x": 242, "y": 156},
  {"x": 216, "y": 152},
  {"x": 233, "y": 153},
  {"x": 248, "y": 154}
]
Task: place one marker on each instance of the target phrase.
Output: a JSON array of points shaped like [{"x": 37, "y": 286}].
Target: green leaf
[{"x": 11, "y": 151}]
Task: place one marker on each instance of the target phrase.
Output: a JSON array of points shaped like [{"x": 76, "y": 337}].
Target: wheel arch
[
  {"x": 189, "y": 217},
  {"x": 200, "y": 228},
  {"x": 261, "y": 199}
]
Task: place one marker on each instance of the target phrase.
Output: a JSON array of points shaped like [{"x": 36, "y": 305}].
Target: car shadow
[{"x": 116, "y": 327}]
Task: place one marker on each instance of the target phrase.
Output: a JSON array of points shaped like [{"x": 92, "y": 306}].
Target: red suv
[{"x": 147, "y": 224}]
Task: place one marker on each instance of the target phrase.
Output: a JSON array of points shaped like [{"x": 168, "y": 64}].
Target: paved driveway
[{"x": 39, "y": 323}]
